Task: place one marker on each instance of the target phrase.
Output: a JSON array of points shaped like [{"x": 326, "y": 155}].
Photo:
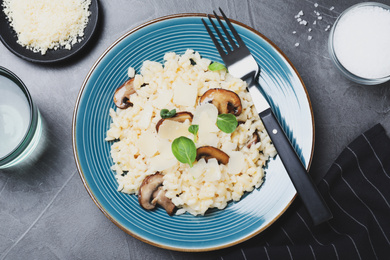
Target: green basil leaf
[
  {"x": 184, "y": 150},
  {"x": 215, "y": 66},
  {"x": 227, "y": 123},
  {"x": 165, "y": 113},
  {"x": 193, "y": 129}
]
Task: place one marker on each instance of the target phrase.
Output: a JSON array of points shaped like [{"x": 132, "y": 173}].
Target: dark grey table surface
[{"x": 45, "y": 211}]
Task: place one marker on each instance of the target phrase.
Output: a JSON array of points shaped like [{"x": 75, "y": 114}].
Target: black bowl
[{"x": 8, "y": 37}]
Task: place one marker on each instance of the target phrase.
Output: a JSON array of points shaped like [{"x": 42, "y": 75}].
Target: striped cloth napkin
[{"x": 357, "y": 190}]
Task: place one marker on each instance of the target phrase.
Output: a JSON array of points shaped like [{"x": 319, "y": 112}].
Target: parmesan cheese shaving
[
  {"x": 184, "y": 94},
  {"x": 171, "y": 130},
  {"x": 146, "y": 143},
  {"x": 236, "y": 162},
  {"x": 47, "y": 24}
]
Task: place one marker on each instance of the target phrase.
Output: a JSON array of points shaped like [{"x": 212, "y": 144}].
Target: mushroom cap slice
[
  {"x": 162, "y": 200},
  {"x": 208, "y": 152},
  {"x": 149, "y": 185},
  {"x": 179, "y": 117},
  {"x": 151, "y": 193},
  {"x": 254, "y": 140},
  {"x": 123, "y": 93},
  {"x": 226, "y": 101}
]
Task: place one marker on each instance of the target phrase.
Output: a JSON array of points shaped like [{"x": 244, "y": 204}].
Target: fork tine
[
  {"x": 227, "y": 48},
  {"x": 215, "y": 41},
  {"x": 236, "y": 35},
  {"x": 225, "y": 31}
]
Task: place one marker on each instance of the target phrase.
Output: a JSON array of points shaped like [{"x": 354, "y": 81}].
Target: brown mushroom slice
[
  {"x": 151, "y": 193},
  {"x": 254, "y": 140},
  {"x": 226, "y": 101},
  {"x": 123, "y": 93},
  {"x": 149, "y": 185},
  {"x": 162, "y": 200},
  {"x": 208, "y": 152},
  {"x": 179, "y": 117}
]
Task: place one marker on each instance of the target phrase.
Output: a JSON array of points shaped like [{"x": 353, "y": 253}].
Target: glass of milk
[
  {"x": 359, "y": 43},
  {"x": 20, "y": 121}
]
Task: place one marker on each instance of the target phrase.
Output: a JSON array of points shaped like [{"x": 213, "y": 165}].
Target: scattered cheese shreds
[{"x": 47, "y": 24}]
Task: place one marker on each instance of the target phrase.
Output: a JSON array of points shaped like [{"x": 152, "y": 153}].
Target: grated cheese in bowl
[{"x": 41, "y": 25}]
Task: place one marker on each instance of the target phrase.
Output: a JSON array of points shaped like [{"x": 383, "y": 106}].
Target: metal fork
[{"x": 241, "y": 64}]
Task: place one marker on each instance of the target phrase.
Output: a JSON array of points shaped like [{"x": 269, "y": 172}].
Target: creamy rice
[{"x": 140, "y": 151}]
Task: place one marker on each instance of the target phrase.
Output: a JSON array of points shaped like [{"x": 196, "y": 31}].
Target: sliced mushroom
[
  {"x": 254, "y": 140},
  {"x": 151, "y": 193},
  {"x": 208, "y": 152},
  {"x": 179, "y": 117},
  {"x": 122, "y": 94},
  {"x": 163, "y": 201},
  {"x": 149, "y": 185},
  {"x": 225, "y": 100}
]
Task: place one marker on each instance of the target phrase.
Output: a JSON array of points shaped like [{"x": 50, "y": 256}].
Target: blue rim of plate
[
  {"x": 9, "y": 38},
  {"x": 218, "y": 229}
]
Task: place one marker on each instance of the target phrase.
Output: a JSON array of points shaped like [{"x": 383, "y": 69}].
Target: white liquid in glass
[
  {"x": 14, "y": 115},
  {"x": 362, "y": 41}
]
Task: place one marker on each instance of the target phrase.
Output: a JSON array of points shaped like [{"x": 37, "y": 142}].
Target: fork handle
[{"x": 311, "y": 198}]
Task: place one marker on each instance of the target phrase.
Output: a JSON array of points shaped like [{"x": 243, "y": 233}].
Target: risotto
[{"x": 140, "y": 149}]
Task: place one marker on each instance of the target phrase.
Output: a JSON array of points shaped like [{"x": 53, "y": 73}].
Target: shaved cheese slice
[
  {"x": 163, "y": 99},
  {"x": 145, "y": 116},
  {"x": 131, "y": 72},
  {"x": 236, "y": 162},
  {"x": 184, "y": 94},
  {"x": 210, "y": 170},
  {"x": 147, "y": 143},
  {"x": 164, "y": 148},
  {"x": 205, "y": 138},
  {"x": 207, "y": 124},
  {"x": 171, "y": 130},
  {"x": 213, "y": 172},
  {"x": 159, "y": 163},
  {"x": 205, "y": 116},
  {"x": 205, "y": 110},
  {"x": 228, "y": 147},
  {"x": 198, "y": 169}
]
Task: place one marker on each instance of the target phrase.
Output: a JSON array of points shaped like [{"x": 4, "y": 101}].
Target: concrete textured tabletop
[{"x": 45, "y": 211}]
